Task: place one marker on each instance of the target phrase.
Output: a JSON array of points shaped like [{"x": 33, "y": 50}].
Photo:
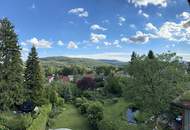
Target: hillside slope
[{"x": 61, "y": 61}]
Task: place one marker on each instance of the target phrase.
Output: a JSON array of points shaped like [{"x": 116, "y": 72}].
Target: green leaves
[
  {"x": 34, "y": 82},
  {"x": 11, "y": 67},
  {"x": 153, "y": 82}
]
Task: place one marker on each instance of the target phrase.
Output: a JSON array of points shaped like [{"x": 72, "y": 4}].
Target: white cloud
[
  {"x": 23, "y": 43},
  {"x": 109, "y": 55},
  {"x": 162, "y": 3},
  {"x": 97, "y": 27},
  {"x": 124, "y": 39},
  {"x": 24, "y": 53},
  {"x": 39, "y": 43},
  {"x": 116, "y": 42},
  {"x": 107, "y": 43},
  {"x": 140, "y": 12},
  {"x": 150, "y": 27},
  {"x": 186, "y": 56},
  {"x": 133, "y": 26},
  {"x": 97, "y": 47},
  {"x": 140, "y": 37},
  {"x": 72, "y": 45},
  {"x": 184, "y": 15},
  {"x": 79, "y": 12},
  {"x": 172, "y": 31},
  {"x": 60, "y": 43},
  {"x": 178, "y": 32},
  {"x": 121, "y": 20},
  {"x": 95, "y": 38}
]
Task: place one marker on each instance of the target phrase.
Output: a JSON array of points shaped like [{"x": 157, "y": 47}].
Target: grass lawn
[
  {"x": 71, "y": 118},
  {"x": 115, "y": 112}
]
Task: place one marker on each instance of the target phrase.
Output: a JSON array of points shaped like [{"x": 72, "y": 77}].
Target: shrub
[
  {"x": 86, "y": 83},
  {"x": 53, "y": 97},
  {"x": 19, "y": 122},
  {"x": 55, "y": 112},
  {"x": 78, "y": 102},
  {"x": 3, "y": 127},
  {"x": 107, "y": 125},
  {"x": 114, "y": 85},
  {"x": 83, "y": 108},
  {"x": 40, "y": 122},
  {"x": 95, "y": 114},
  {"x": 60, "y": 101}
]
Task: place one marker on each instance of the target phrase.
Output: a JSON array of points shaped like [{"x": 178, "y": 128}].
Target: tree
[
  {"x": 155, "y": 83},
  {"x": 86, "y": 83},
  {"x": 34, "y": 81},
  {"x": 114, "y": 85},
  {"x": 189, "y": 2},
  {"x": 133, "y": 56},
  {"x": 11, "y": 67},
  {"x": 151, "y": 54}
]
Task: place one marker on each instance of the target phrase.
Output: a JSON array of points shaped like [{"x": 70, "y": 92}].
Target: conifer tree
[
  {"x": 34, "y": 78},
  {"x": 133, "y": 56},
  {"x": 11, "y": 67},
  {"x": 151, "y": 54}
]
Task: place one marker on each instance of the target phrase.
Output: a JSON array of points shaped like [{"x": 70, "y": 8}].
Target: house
[
  {"x": 71, "y": 78},
  {"x": 51, "y": 78},
  {"x": 182, "y": 104}
]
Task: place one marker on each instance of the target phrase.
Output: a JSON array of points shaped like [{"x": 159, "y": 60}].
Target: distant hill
[
  {"x": 61, "y": 61},
  {"x": 114, "y": 62}
]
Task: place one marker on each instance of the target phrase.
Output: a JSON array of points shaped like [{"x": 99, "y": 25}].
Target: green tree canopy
[
  {"x": 34, "y": 80},
  {"x": 11, "y": 67},
  {"x": 154, "y": 83}
]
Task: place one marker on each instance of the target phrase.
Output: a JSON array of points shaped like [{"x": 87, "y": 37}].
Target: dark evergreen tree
[
  {"x": 188, "y": 67},
  {"x": 11, "y": 67},
  {"x": 34, "y": 81},
  {"x": 133, "y": 56},
  {"x": 151, "y": 54}
]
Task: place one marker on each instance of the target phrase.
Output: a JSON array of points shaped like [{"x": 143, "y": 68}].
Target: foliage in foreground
[
  {"x": 155, "y": 81},
  {"x": 11, "y": 67},
  {"x": 40, "y": 122}
]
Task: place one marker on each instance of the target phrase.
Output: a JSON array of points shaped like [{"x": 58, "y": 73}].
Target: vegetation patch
[
  {"x": 40, "y": 122},
  {"x": 70, "y": 118}
]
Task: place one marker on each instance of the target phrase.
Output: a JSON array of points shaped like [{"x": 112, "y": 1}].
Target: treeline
[
  {"x": 154, "y": 81},
  {"x": 18, "y": 83}
]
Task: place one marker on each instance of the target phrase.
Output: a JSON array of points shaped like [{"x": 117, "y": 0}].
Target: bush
[
  {"x": 53, "y": 97},
  {"x": 114, "y": 85},
  {"x": 78, "y": 102},
  {"x": 51, "y": 122},
  {"x": 60, "y": 101},
  {"x": 3, "y": 127},
  {"x": 107, "y": 125},
  {"x": 69, "y": 91},
  {"x": 83, "y": 108},
  {"x": 141, "y": 117},
  {"x": 86, "y": 83},
  {"x": 40, "y": 122},
  {"x": 19, "y": 122},
  {"x": 95, "y": 114},
  {"x": 55, "y": 112}
]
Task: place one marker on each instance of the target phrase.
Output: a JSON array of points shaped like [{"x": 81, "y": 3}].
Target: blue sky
[{"x": 100, "y": 29}]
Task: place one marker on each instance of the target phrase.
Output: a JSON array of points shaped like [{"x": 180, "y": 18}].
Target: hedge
[{"x": 40, "y": 122}]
